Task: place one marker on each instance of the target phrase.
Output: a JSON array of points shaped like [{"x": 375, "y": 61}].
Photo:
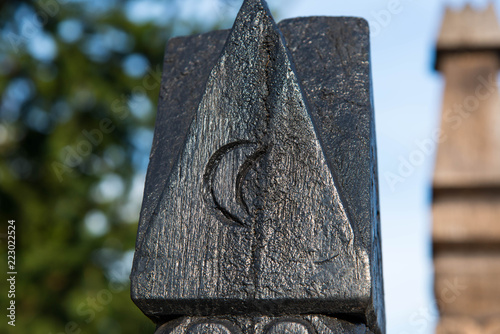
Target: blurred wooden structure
[{"x": 466, "y": 186}]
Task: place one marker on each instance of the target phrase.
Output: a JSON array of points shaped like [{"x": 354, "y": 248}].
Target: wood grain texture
[{"x": 261, "y": 194}]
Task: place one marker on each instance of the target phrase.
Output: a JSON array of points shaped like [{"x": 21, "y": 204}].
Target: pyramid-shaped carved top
[
  {"x": 251, "y": 214},
  {"x": 469, "y": 28},
  {"x": 251, "y": 210}
]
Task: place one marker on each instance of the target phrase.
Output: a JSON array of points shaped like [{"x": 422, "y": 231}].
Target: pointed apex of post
[
  {"x": 253, "y": 13},
  {"x": 254, "y": 6}
]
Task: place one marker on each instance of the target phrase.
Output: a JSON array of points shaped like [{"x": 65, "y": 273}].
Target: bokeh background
[{"x": 79, "y": 83}]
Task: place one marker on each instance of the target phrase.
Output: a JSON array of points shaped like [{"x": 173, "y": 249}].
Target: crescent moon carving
[{"x": 212, "y": 197}]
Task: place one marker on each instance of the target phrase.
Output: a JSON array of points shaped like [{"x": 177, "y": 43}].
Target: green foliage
[{"x": 79, "y": 83}]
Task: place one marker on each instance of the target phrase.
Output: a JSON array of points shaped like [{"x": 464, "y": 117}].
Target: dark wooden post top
[{"x": 260, "y": 210}]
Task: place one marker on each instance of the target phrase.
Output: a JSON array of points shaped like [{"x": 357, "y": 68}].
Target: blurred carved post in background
[
  {"x": 466, "y": 187},
  {"x": 260, "y": 211}
]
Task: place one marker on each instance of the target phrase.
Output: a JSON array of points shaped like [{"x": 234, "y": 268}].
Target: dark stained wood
[{"x": 261, "y": 195}]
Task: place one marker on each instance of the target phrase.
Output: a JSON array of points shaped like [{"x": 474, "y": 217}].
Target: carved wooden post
[
  {"x": 466, "y": 187},
  {"x": 260, "y": 212}
]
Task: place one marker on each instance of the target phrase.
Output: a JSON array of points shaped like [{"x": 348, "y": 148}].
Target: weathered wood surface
[{"x": 261, "y": 195}]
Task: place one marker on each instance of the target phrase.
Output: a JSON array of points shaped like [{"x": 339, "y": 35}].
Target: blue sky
[{"x": 407, "y": 94}]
